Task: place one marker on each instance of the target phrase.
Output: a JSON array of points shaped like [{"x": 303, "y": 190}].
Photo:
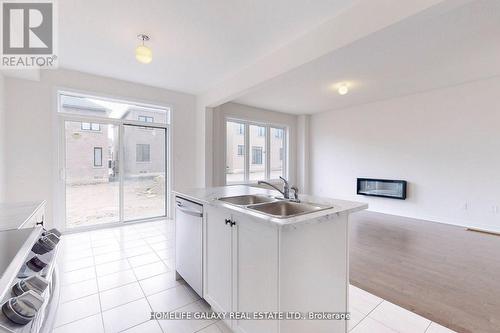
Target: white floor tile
[
  {"x": 126, "y": 316},
  {"x": 78, "y": 290},
  {"x": 171, "y": 299},
  {"x": 106, "y": 249},
  {"x": 109, "y": 257},
  {"x": 356, "y": 317},
  {"x": 115, "y": 280},
  {"x": 90, "y": 324},
  {"x": 70, "y": 255},
  {"x": 218, "y": 327},
  {"x": 118, "y": 296},
  {"x": 159, "y": 246},
  {"x": 112, "y": 267},
  {"x": 362, "y": 300},
  {"x": 78, "y": 276},
  {"x": 399, "y": 319},
  {"x": 143, "y": 259},
  {"x": 130, "y": 244},
  {"x": 369, "y": 325},
  {"x": 135, "y": 251},
  {"x": 188, "y": 326},
  {"x": 149, "y": 270},
  {"x": 159, "y": 283},
  {"x": 77, "y": 309},
  {"x": 165, "y": 254},
  {"x": 436, "y": 328},
  {"x": 73, "y": 265},
  {"x": 151, "y": 326},
  {"x": 156, "y": 239}
]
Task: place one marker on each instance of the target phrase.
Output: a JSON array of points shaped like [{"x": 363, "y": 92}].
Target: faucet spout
[
  {"x": 260, "y": 182},
  {"x": 286, "y": 187}
]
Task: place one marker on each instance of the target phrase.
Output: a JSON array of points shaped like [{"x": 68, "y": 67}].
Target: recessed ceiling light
[
  {"x": 143, "y": 54},
  {"x": 343, "y": 89}
]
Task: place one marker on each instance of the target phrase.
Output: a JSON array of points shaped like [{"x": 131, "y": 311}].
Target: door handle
[
  {"x": 233, "y": 223},
  {"x": 228, "y": 221},
  {"x": 189, "y": 212}
]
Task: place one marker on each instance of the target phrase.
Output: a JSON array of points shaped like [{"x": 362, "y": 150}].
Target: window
[
  {"x": 146, "y": 119},
  {"x": 92, "y": 106},
  {"x": 143, "y": 153},
  {"x": 256, "y": 155},
  {"x": 241, "y": 150},
  {"x": 240, "y": 129},
  {"x": 277, "y": 153},
  {"x": 254, "y": 152},
  {"x": 235, "y": 149},
  {"x": 91, "y": 127},
  {"x": 97, "y": 156}
]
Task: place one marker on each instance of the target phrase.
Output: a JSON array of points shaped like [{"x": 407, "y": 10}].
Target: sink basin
[
  {"x": 284, "y": 209},
  {"x": 245, "y": 200}
]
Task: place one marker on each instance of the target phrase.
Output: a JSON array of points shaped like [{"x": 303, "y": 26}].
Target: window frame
[
  {"x": 266, "y": 159},
  {"x": 259, "y": 152},
  {"x": 91, "y": 126},
  {"x": 146, "y": 119},
  {"x": 94, "y": 159},
  {"x": 241, "y": 150}
]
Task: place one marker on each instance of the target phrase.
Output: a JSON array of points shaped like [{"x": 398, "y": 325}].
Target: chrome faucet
[{"x": 286, "y": 189}]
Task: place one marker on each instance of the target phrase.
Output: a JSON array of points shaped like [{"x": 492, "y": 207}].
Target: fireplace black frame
[{"x": 403, "y": 182}]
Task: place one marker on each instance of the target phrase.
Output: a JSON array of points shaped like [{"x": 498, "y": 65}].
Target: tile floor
[{"x": 112, "y": 278}]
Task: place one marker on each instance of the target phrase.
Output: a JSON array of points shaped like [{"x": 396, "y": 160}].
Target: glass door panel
[
  {"x": 144, "y": 177},
  {"x": 91, "y": 173}
]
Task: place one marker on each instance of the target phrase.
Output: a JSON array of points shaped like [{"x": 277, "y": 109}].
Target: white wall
[
  {"x": 244, "y": 112},
  {"x": 446, "y": 143},
  {"x": 31, "y": 106},
  {"x": 3, "y": 137}
]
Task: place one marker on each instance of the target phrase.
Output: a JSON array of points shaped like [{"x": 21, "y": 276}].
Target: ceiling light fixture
[
  {"x": 343, "y": 89},
  {"x": 143, "y": 54}
]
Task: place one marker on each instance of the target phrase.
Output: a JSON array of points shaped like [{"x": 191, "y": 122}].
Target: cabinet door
[
  {"x": 218, "y": 259},
  {"x": 255, "y": 262}
]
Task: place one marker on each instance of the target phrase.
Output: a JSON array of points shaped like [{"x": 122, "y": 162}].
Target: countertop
[
  {"x": 14, "y": 215},
  {"x": 210, "y": 195}
]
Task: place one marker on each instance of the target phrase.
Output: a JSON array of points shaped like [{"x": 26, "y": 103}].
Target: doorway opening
[{"x": 114, "y": 161}]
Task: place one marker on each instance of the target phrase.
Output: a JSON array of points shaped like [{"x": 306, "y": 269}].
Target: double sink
[{"x": 272, "y": 206}]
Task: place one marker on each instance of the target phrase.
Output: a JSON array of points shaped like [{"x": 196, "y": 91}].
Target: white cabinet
[
  {"x": 252, "y": 265},
  {"x": 218, "y": 259},
  {"x": 241, "y": 268},
  {"x": 255, "y": 272}
]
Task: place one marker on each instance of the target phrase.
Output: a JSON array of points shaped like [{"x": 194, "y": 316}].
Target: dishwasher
[{"x": 189, "y": 243}]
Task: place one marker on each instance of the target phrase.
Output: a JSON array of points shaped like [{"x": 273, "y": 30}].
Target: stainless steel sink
[
  {"x": 245, "y": 200},
  {"x": 285, "y": 209}
]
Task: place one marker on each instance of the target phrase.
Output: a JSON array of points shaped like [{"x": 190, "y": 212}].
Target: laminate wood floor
[{"x": 444, "y": 273}]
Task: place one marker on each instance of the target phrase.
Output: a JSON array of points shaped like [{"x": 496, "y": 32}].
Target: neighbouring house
[{"x": 91, "y": 147}]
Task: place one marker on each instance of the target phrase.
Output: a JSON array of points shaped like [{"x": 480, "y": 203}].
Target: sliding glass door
[
  {"x": 144, "y": 172},
  {"x": 112, "y": 170},
  {"x": 91, "y": 173}
]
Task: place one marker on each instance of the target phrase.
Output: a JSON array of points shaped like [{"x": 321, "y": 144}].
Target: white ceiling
[
  {"x": 195, "y": 43},
  {"x": 437, "y": 48}
]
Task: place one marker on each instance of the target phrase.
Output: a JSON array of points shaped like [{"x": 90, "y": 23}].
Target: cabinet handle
[
  {"x": 40, "y": 223},
  {"x": 228, "y": 221},
  {"x": 232, "y": 223}
]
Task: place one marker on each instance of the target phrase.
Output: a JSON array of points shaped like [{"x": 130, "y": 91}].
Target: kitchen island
[{"x": 259, "y": 265}]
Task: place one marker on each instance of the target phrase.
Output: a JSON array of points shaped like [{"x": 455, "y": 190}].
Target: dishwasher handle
[{"x": 188, "y": 211}]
